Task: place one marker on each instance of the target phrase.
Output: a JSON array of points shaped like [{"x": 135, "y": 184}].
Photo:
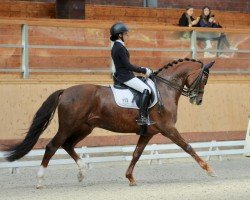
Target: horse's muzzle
[
  {"x": 199, "y": 101},
  {"x": 196, "y": 100}
]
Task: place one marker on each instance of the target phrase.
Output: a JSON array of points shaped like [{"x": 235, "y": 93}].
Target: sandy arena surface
[{"x": 174, "y": 179}]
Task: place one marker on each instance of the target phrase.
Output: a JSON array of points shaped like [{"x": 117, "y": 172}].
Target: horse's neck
[
  {"x": 169, "y": 95},
  {"x": 176, "y": 77}
]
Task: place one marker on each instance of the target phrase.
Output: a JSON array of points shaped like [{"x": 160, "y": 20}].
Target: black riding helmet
[{"x": 116, "y": 29}]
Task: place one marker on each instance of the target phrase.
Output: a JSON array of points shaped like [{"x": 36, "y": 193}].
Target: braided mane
[{"x": 176, "y": 62}]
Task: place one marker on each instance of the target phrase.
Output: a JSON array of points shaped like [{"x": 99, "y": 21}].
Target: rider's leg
[
  {"x": 144, "y": 119},
  {"x": 138, "y": 85}
]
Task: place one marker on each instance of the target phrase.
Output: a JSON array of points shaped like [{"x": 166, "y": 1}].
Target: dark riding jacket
[
  {"x": 183, "y": 21},
  {"x": 124, "y": 69}
]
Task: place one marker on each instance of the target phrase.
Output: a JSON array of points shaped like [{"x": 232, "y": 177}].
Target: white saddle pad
[{"x": 124, "y": 97}]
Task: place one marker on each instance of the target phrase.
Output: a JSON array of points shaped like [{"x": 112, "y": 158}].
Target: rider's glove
[{"x": 148, "y": 72}]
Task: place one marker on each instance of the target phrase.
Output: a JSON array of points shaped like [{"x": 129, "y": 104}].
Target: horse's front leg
[
  {"x": 141, "y": 144},
  {"x": 173, "y": 134}
]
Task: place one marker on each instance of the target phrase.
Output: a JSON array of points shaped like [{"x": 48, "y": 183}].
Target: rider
[{"x": 124, "y": 70}]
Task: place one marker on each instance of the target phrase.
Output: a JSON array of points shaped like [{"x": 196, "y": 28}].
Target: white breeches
[{"x": 137, "y": 84}]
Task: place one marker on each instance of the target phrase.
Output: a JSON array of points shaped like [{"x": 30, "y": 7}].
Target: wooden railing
[{"x": 84, "y": 46}]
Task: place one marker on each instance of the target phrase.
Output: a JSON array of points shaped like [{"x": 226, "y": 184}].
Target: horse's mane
[{"x": 176, "y": 62}]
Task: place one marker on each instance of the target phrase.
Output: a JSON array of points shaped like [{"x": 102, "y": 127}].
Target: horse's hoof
[
  {"x": 132, "y": 184},
  {"x": 39, "y": 186},
  {"x": 80, "y": 177},
  {"x": 212, "y": 174}
]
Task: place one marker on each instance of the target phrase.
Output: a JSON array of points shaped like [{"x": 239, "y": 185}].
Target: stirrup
[{"x": 144, "y": 121}]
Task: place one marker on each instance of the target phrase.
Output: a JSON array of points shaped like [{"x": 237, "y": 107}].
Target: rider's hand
[{"x": 148, "y": 72}]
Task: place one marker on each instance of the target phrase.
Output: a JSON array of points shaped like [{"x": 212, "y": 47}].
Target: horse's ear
[{"x": 209, "y": 65}]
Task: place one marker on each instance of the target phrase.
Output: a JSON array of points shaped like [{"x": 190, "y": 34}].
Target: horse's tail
[{"x": 40, "y": 122}]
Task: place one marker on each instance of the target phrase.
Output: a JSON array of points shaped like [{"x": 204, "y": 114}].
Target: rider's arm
[{"x": 126, "y": 63}]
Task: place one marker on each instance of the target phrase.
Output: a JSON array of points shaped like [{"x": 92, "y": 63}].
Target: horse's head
[
  {"x": 196, "y": 82},
  {"x": 187, "y": 78}
]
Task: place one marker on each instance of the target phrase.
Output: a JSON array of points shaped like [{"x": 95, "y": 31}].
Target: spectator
[
  {"x": 188, "y": 20},
  {"x": 208, "y": 20}
]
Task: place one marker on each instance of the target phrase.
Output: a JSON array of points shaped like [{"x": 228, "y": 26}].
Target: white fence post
[
  {"x": 194, "y": 44},
  {"x": 14, "y": 170},
  {"x": 25, "y": 50},
  {"x": 247, "y": 144},
  {"x": 86, "y": 155},
  {"x": 216, "y": 148},
  {"x": 154, "y": 152},
  {"x": 112, "y": 65}
]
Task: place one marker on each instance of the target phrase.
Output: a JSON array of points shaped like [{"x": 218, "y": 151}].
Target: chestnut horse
[{"x": 81, "y": 108}]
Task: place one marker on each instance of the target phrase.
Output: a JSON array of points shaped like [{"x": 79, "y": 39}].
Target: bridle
[
  {"x": 195, "y": 88},
  {"x": 192, "y": 92}
]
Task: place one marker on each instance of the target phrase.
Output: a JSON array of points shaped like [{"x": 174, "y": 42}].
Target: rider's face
[{"x": 124, "y": 36}]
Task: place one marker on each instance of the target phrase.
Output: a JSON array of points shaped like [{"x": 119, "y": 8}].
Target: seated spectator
[
  {"x": 208, "y": 20},
  {"x": 188, "y": 20}
]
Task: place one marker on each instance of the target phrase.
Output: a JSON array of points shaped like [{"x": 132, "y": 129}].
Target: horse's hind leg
[
  {"x": 141, "y": 144},
  {"x": 173, "y": 134},
  {"x": 69, "y": 145},
  {"x": 50, "y": 150}
]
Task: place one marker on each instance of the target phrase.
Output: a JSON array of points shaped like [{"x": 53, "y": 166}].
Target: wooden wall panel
[
  {"x": 27, "y": 9},
  {"x": 169, "y": 15},
  {"x": 227, "y": 5},
  {"x": 224, "y": 108}
]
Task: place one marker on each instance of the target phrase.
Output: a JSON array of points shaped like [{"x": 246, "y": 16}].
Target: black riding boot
[{"x": 144, "y": 118}]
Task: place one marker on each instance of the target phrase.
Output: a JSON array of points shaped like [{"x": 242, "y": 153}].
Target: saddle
[{"x": 130, "y": 98}]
